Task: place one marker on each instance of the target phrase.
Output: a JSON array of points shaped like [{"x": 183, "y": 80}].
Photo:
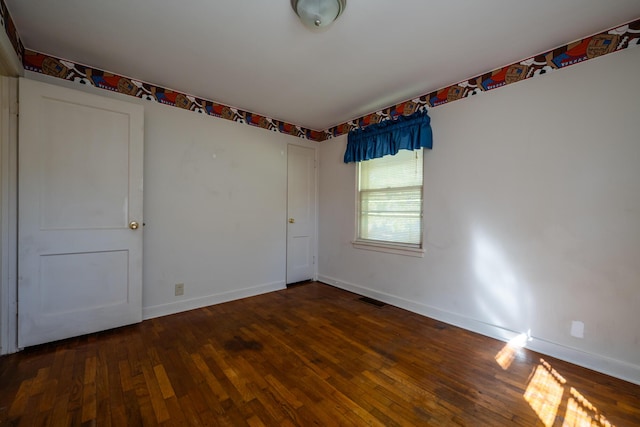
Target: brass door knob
[
  {"x": 291, "y": 220},
  {"x": 134, "y": 225}
]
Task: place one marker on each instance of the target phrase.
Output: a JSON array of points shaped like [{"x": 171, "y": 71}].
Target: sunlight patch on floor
[
  {"x": 580, "y": 412},
  {"x": 548, "y": 394},
  {"x": 509, "y": 352},
  {"x": 544, "y": 392}
]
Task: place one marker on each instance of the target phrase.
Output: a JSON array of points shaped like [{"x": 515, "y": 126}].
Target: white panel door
[
  {"x": 301, "y": 211},
  {"x": 79, "y": 215}
]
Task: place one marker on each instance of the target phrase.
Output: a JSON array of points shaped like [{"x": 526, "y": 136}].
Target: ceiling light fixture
[{"x": 318, "y": 13}]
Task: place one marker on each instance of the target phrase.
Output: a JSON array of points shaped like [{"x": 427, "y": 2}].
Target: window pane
[
  {"x": 402, "y": 170},
  {"x": 390, "y": 198},
  {"x": 392, "y": 229}
]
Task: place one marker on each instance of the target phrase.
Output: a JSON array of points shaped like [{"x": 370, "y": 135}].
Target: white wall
[
  {"x": 532, "y": 217},
  {"x": 214, "y": 207}
]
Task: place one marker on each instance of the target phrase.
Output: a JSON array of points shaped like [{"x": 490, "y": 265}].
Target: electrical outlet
[
  {"x": 179, "y": 289},
  {"x": 577, "y": 329}
]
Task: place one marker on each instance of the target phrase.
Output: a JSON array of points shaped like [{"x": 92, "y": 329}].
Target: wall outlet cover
[
  {"x": 179, "y": 289},
  {"x": 577, "y": 329}
]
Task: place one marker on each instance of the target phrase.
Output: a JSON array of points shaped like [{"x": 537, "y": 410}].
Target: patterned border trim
[
  {"x": 10, "y": 29},
  {"x": 622, "y": 37},
  {"x": 619, "y": 38},
  {"x": 68, "y": 70}
]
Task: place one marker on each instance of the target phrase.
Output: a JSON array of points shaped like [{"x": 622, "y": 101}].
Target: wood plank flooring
[{"x": 311, "y": 355}]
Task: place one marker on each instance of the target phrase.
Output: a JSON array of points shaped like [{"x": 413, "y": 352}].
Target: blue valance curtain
[{"x": 404, "y": 133}]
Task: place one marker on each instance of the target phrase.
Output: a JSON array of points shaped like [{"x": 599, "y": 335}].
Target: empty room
[{"x": 320, "y": 212}]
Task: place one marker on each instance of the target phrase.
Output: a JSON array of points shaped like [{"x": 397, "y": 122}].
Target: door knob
[
  {"x": 133, "y": 225},
  {"x": 291, "y": 220}
]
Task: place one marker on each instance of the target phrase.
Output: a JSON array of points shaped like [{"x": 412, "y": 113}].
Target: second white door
[{"x": 301, "y": 211}]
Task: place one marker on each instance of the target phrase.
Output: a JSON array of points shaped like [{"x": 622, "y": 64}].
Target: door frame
[
  {"x": 316, "y": 171},
  {"x": 10, "y": 67},
  {"x": 9, "y": 215}
]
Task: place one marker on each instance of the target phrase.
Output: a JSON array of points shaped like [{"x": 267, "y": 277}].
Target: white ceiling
[{"x": 257, "y": 56}]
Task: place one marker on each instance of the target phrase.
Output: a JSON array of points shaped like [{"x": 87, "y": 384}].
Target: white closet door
[
  {"x": 301, "y": 209},
  {"x": 80, "y": 213}
]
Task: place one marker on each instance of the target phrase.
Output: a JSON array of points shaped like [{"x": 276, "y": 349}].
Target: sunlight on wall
[{"x": 502, "y": 298}]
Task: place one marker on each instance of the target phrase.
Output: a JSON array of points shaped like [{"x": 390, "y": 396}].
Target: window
[{"x": 390, "y": 202}]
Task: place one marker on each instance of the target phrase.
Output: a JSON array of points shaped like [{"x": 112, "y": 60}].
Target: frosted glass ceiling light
[{"x": 318, "y": 13}]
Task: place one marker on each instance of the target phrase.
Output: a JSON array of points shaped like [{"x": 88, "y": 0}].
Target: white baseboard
[
  {"x": 615, "y": 368},
  {"x": 193, "y": 303}
]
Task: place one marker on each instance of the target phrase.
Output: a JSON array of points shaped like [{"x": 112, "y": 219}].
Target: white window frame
[{"x": 407, "y": 249}]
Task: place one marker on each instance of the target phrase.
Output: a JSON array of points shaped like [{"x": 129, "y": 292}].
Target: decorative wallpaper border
[
  {"x": 68, "y": 70},
  {"x": 619, "y": 38}
]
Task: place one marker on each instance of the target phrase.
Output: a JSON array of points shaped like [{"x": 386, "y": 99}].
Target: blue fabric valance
[{"x": 404, "y": 133}]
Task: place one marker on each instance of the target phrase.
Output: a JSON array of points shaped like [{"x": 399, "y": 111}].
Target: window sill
[{"x": 389, "y": 248}]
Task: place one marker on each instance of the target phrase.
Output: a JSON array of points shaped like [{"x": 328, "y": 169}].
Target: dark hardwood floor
[{"x": 311, "y": 355}]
